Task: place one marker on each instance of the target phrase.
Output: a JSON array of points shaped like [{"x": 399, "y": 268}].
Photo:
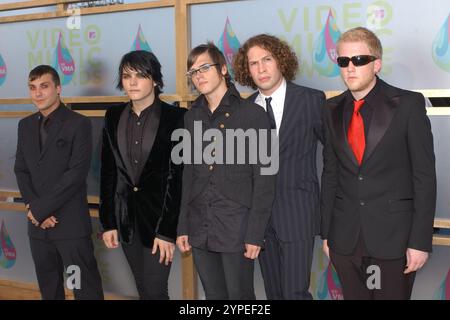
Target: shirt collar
[
  {"x": 227, "y": 100},
  {"x": 55, "y": 114},
  {"x": 277, "y": 95}
]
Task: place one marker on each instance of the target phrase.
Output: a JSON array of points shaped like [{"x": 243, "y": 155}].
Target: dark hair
[
  {"x": 42, "y": 69},
  {"x": 285, "y": 57},
  {"x": 215, "y": 54},
  {"x": 143, "y": 62}
]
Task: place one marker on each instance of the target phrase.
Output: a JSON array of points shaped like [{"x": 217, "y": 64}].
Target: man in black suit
[
  {"x": 226, "y": 197},
  {"x": 52, "y": 162},
  {"x": 379, "y": 180},
  {"x": 140, "y": 187},
  {"x": 268, "y": 64}
]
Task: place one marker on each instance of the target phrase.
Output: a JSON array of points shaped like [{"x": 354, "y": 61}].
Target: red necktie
[{"x": 355, "y": 133}]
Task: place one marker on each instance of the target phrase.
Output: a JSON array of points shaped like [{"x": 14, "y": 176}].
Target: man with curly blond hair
[{"x": 269, "y": 65}]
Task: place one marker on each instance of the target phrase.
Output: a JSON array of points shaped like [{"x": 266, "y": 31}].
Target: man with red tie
[{"x": 379, "y": 180}]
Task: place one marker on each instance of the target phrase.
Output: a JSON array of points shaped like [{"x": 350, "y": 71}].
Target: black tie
[
  {"x": 43, "y": 130},
  {"x": 270, "y": 114}
]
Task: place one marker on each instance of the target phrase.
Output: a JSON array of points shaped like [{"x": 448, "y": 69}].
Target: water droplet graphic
[
  {"x": 228, "y": 44},
  {"x": 7, "y": 251},
  {"x": 324, "y": 53},
  {"x": 2, "y": 70},
  {"x": 443, "y": 292},
  {"x": 63, "y": 62},
  {"x": 441, "y": 47},
  {"x": 140, "y": 43}
]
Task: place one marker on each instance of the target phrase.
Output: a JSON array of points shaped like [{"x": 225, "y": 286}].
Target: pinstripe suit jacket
[{"x": 295, "y": 212}]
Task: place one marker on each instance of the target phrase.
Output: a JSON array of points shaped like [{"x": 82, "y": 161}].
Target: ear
[
  {"x": 224, "y": 70},
  {"x": 58, "y": 90},
  {"x": 377, "y": 66}
]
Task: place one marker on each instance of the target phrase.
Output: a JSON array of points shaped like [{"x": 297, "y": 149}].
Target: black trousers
[
  {"x": 51, "y": 257},
  {"x": 286, "y": 267},
  {"x": 225, "y": 276},
  {"x": 151, "y": 277},
  {"x": 357, "y": 274}
]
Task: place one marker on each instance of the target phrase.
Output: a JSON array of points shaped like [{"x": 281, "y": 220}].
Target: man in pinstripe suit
[{"x": 268, "y": 64}]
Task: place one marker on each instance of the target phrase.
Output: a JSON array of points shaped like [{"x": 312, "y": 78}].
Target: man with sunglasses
[
  {"x": 225, "y": 205},
  {"x": 379, "y": 180}
]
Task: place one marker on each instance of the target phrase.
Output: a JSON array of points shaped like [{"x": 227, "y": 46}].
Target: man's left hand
[
  {"x": 415, "y": 259},
  {"x": 251, "y": 251},
  {"x": 166, "y": 250},
  {"x": 32, "y": 219}
]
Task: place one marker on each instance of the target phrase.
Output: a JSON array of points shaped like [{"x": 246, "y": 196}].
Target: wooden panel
[
  {"x": 442, "y": 223},
  {"x": 15, "y": 290},
  {"x": 190, "y": 286},
  {"x": 33, "y": 4},
  {"x": 441, "y": 240},
  {"x": 87, "y": 11}
]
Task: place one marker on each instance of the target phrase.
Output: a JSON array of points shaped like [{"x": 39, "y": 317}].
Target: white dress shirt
[{"x": 277, "y": 103}]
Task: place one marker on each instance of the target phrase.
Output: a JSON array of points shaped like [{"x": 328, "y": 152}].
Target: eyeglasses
[
  {"x": 357, "y": 61},
  {"x": 202, "y": 69}
]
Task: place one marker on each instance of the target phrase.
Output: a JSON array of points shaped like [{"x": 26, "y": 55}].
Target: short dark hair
[
  {"x": 42, "y": 69},
  {"x": 215, "y": 54},
  {"x": 144, "y": 62}
]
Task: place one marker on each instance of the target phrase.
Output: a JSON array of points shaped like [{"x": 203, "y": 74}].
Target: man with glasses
[
  {"x": 379, "y": 181},
  {"x": 268, "y": 64},
  {"x": 225, "y": 205}
]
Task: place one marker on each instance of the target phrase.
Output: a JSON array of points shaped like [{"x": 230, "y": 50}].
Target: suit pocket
[
  {"x": 401, "y": 205},
  {"x": 339, "y": 202}
]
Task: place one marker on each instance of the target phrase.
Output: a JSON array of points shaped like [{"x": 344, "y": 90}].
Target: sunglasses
[
  {"x": 357, "y": 61},
  {"x": 202, "y": 69}
]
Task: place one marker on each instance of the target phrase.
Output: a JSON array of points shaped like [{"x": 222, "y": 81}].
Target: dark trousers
[
  {"x": 151, "y": 277},
  {"x": 357, "y": 274},
  {"x": 225, "y": 276},
  {"x": 52, "y": 256},
  {"x": 286, "y": 268}
]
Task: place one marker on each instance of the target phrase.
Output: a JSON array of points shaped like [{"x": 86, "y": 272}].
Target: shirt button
[
  {"x": 138, "y": 123},
  {"x": 360, "y": 177},
  {"x": 136, "y": 142},
  {"x": 135, "y": 189},
  {"x": 211, "y": 168},
  {"x": 362, "y": 203},
  {"x": 135, "y": 161},
  {"x": 222, "y": 126},
  {"x": 227, "y": 114}
]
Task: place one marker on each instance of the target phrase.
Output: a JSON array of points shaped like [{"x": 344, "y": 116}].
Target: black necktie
[
  {"x": 43, "y": 130},
  {"x": 270, "y": 114}
]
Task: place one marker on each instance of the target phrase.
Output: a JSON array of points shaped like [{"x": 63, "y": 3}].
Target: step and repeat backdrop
[{"x": 86, "y": 51}]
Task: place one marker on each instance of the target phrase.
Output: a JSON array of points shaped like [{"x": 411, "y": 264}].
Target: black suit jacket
[
  {"x": 391, "y": 198},
  {"x": 241, "y": 183},
  {"x": 53, "y": 180},
  {"x": 151, "y": 203},
  {"x": 295, "y": 212}
]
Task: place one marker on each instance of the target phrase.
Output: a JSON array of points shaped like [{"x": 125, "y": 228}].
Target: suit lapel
[
  {"x": 382, "y": 116},
  {"x": 122, "y": 141},
  {"x": 288, "y": 112},
  {"x": 33, "y": 136},
  {"x": 339, "y": 129},
  {"x": 150, "y": 131}
]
